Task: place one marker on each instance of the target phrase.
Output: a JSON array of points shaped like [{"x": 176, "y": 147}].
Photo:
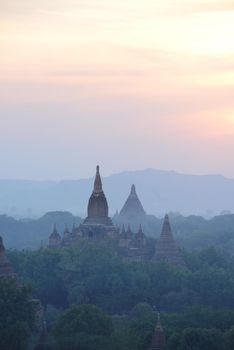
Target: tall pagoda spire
[
  {"x": 97, "y": 206},
  {"x": 166, "y": 233},
  {"x": 55, "y": 238},
  {"x": 98, "y": 182}
]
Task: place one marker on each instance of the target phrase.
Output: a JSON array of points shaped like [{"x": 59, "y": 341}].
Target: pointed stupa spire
[
  {"x": 166, "y": 248},
  {"x": 97, "y": 182},
  {"x": 166, "y": 233},
  {"x": 133, "y": 190},
  {"x": 140, "y": 233},
  {"x": 97, "y": 206},
  {"x": 55, "y": 238},
  {"x": 129, "y": 232},
  {"x": 132, "y": 207}
]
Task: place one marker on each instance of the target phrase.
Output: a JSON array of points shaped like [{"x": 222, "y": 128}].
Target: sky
[{"x": 128, "y": 84}]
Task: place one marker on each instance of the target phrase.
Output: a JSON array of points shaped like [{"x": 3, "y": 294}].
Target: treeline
[
  {"x": 196, "y": 303},
  {"x": 191, "y": 233}
]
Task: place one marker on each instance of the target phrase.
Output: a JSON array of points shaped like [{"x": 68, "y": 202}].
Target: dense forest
[{"x": 96, "y": 300}]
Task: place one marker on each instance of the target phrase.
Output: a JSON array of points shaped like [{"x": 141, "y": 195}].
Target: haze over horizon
[{"x": 126, "y": 84}]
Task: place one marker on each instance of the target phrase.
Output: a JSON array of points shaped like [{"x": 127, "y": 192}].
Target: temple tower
[
  {"x": 97, "y": 206},
  {"x": 132, "y": 211},
  {"x": 158, "y": 340},
  {"x": 6, "y": 270},
  {"x": 97, "y": 224},
  {"x": 166, "y": 249},
  {"x": 132, "y": 206},
  {"x": 140, "y": 238},
  {"x": 55, "y": 238}
]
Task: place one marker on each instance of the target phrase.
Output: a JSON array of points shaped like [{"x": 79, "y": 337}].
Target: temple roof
[
  {"x": 97, "y": 206},
  {"x": 166, "y": 233},
  {"x": 132, "y": 206}
]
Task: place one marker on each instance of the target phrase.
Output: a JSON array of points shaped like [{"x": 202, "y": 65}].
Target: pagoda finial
[
  {"x": 133, "y": 190},
  {"x": 166, "y": 229},
  {"x": 97, "y": 182}
]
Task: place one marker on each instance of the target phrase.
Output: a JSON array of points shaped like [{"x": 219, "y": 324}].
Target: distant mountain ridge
[{"x": 159, "y": 191}]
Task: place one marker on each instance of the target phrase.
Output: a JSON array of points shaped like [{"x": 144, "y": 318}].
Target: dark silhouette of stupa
[
  {"x": 97, "y": 224},
  {"x": 132, "y": 212},
  {"x": 55, "y": 238},
  {"x": 166, "y": 249},
  {"x": 133, "y": 206},
  {"x": 97, "y": 206}
]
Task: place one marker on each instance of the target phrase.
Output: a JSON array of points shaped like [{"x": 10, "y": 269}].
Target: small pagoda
[
  {"x": 55, "y": 238},
  {"x": 132, "y": 212},
  {"x": 166, "y": 248}
]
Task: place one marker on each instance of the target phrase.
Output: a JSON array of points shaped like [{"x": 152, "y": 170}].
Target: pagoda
[
  {"x": 97, "y": 224},
  {"x": 132, "y": 212},
  {"x": 55, "y": 238},
  {"x": 166, "y": 248}
]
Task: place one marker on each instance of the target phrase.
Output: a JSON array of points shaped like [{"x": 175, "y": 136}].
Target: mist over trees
[
  {"x": 192, "y": 232},
  {"x": 88, "y": 297}
]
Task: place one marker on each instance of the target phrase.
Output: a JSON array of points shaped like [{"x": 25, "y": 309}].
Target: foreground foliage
[
  {"x": 17, "y": 315},
  {"x": 197, "y": 302}
]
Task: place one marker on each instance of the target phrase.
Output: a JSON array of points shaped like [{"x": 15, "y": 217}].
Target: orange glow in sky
[{"x": 161, "y": 72}]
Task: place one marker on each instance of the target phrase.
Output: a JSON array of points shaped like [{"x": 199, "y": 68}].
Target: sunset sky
[{"x": 129, "y": 84}]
